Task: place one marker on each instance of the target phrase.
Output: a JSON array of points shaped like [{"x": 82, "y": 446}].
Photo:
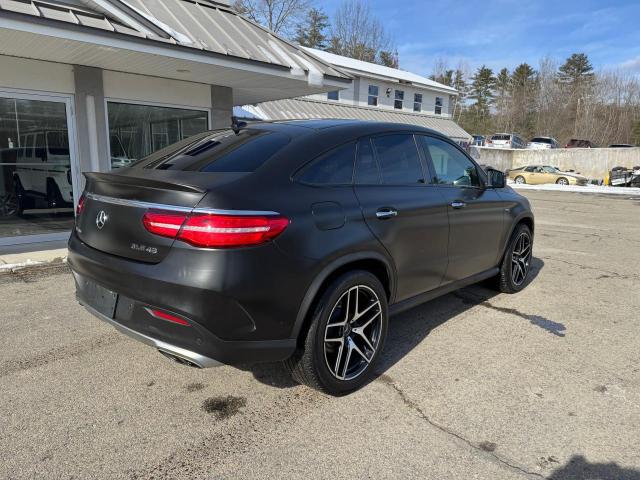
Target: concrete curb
[{"x": 19, "y": 261}]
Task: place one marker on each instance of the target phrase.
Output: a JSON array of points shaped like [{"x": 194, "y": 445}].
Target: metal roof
[
  {"x": 376, "y": 70},
  {"x": 304, "y": 108},
  {"x": 201, "y": 25}
]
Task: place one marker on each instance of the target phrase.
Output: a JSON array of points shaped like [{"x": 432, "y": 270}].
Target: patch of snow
[{"x": 633, "y": 191}]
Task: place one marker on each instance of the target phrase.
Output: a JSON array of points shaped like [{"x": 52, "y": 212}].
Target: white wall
[
  {"x": 140, "y": 88},
  {"x": 25, "y": 74},
  {"x": 590, "y": 162},
  {"x": 428, "y": 96}
]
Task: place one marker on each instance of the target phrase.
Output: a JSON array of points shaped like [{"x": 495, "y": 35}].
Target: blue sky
[{"x": 501, "y": 33}]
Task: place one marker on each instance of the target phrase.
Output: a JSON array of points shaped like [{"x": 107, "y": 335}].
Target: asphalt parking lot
[{"x": 474, "y": 385}]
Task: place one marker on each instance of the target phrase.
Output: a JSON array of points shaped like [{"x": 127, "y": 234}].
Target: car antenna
[{"x": 237, "y": 125}]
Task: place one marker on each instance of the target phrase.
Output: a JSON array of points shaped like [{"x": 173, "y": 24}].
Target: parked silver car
[
  {"x": 543, "y": 143},
  {"x": 506, "y": 140}
]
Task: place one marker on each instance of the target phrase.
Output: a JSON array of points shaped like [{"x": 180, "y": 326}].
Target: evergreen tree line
[{"x": 563, "y": 101}]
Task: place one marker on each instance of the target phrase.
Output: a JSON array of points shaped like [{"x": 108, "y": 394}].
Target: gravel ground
[{"x": 474, "y": 385}]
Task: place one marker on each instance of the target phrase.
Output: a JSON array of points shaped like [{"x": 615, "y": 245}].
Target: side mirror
[{"x": 495, "y": 178}]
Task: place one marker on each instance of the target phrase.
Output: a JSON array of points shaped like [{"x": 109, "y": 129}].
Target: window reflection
[
  {"x": 136, "y": 131},
  {"x": 36, "y": 194}
]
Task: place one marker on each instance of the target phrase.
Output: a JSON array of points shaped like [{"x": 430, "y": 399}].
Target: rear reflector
[
  {"x": 167, "y": 316},
  {"x": 214, "y": 230}
]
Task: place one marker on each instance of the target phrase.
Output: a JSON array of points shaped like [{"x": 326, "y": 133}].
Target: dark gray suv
[{"x": 292, "y": 241}]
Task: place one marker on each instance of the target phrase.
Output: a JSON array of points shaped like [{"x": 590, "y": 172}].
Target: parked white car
[
  {"x": 543, "y": 143},
  {"x": 43, "y": 170},
  {"x": 505, "y": 140}
]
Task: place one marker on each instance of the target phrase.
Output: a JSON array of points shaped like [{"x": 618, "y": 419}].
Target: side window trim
[
  {"x": 481, "y": 173},
  {"x": 359, "y": 141},
  {"x": 425, "y": 159},
  {"x": 375, "y": 155}
]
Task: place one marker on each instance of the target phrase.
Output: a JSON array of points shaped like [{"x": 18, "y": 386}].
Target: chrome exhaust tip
[{"x": 180, "y": 360}]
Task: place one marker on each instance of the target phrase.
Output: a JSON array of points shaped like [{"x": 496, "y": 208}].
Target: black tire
[
  {"x": 310, "y": 364},
  {"x": 562, "y": 181},
  {"x": 520, "y": 179},
  {"x": 20, "y": 196},
  {"x": 505, "y": 281},
  {"x": 54, "y": 197}
]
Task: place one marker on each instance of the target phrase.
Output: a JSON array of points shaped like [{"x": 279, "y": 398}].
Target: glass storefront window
[
  {"x": 136, "y": 131},
  {"x": 36, "y": 193}
]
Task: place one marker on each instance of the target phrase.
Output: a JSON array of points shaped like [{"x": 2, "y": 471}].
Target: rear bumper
[
  {"x": 235, "y": 310},
  {"x": 189, "y": 356}
]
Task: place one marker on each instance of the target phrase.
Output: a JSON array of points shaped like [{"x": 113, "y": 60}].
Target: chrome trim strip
[
  {"x": 173, "y": 208},
  {"x": 193, "y": 357}
]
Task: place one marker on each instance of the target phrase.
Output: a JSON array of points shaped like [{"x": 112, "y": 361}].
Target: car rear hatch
[
  {"x": 119, "y": 210},
  {"x": 114, "y": 206}
]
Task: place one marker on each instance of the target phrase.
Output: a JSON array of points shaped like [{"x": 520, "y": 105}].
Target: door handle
[
  {"x": 385, "y": 213},
  {"x": 458, "y": 204}
]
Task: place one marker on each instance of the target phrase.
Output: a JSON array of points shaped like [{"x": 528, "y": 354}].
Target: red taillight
[
  {"x": 80, "y": 205},
  {"x": 214, "y": 230},
  {"x": 163, "y": 224},
  {"x": 168, "y": 317}
]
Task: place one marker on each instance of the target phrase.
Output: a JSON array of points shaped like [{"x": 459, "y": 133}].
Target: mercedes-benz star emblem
[{"x": 101, "y": 219}]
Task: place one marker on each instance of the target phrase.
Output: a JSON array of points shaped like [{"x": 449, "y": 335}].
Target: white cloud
[{"x": 632, "y": 65}]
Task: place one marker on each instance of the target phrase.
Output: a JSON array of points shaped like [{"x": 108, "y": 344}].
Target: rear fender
[{"x": 316, "y": 285}]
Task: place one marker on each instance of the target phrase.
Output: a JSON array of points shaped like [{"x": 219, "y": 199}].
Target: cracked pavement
[{"x": 473, "y": 385}]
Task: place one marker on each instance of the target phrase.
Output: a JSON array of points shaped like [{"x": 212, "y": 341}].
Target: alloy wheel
[
  {"x": 520, "y": 180},
  {"x": 563, "y": 181},
  {"x": 353, "y": 331},
  {"x": 520, "y": 258}
]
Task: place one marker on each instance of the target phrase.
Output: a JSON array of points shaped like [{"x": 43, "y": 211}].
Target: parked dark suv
[{"x": 292, "y": 241}]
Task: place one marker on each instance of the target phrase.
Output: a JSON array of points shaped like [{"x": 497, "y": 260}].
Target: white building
[
  {"x": 377, "y": 93},
  {"x": 91, "y": 85}
]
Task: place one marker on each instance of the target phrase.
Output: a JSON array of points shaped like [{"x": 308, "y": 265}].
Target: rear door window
[
  {"x": 399, "y": 160},
  {"x": 220, "y": 151},
  {"x": 332, "y": 168}
]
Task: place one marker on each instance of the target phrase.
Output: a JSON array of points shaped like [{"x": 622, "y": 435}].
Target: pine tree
[
  {"x": 524, "y": 87},
  {"x": 576, "y": 69},
  {"x": 445, "y": 77},
  {"x": 482, "y": 91},
  {"x": 503, "y": 96},
  {"x": 311, "y": 33},
  {"x": 389, "y": 59}
]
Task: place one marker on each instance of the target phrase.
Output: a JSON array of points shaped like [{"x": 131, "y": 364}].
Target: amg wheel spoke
[
  {"x": 360, "y": 314},
  {"x": 355, "y": 347},
  {"x": 334, "y": 340},
  {"x": 368, "y": 322},
  {"x": 360, "y": 333},
  {"x": 338, "y": 358},
  {"x": 346, "y": 362}
]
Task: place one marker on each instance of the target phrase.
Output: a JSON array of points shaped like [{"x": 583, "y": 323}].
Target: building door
[{"x": 38, "y": 167}]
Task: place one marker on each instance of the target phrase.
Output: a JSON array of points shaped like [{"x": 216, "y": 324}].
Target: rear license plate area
[{"x": 97, "y": 297}]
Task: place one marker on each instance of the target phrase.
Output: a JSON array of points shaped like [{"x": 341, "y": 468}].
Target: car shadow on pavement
[
  {"x": 409, "y": 328},
  {"x": 578, "y": 468}
]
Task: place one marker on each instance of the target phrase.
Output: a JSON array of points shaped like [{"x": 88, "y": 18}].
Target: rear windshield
[
  {"x": 501, "y": 137},
  {"x": 541, "y": 140},
  {"x": 219, "y": 151}
]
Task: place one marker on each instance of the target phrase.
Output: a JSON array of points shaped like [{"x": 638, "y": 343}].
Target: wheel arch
[
  {"x": 525, "y": 218},
  {"x": 372, "y": 262}
]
